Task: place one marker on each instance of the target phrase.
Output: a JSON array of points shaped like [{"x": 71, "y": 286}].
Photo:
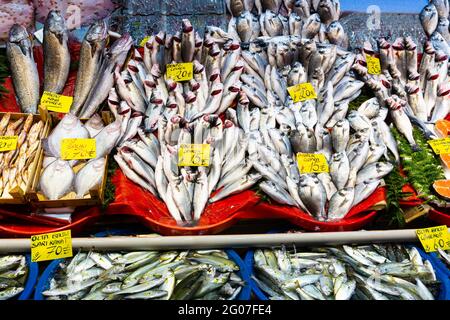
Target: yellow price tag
[
  {"x": 373, "y": 65},
  {"x": 51, "y": 246},
  {"x": 56, "y": 102},
  {"x": 144, "y": 41},
  {"x": 440, "y": 146},
  {"x": 180, "y": 71},
  {"x": 78, "y": 149},
  {"x": 302, "y": 92},
  {"x": 8, "y": 143},
  {"x": 434, "y": 238},
  {"x": 312, "y": 163},
  {"x": 194, "y": 155}
]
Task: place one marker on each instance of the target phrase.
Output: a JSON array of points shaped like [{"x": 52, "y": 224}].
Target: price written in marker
[
  {"x": 440, "y": 146},
  {"x": 373, "y": 65},
  {"x": 434, "y": 238},
  {"x": 194, "y": 155},
  {"x": 8, "y": 143},
  {"x": 51, "y": 246},
  {"x": 56, "y": 102},
  {"x": 302, "y": 92},
  {"x": 144, "y": 41},
  {"x": 312, "y": 163},
  {"x": 78, "y": 149},
  {"x": 180, "y": 71}
]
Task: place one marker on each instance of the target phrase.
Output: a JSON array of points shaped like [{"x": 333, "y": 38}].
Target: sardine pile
[
  {"x": 15, "y": 164},
  {"x": 58, "y": 176},
  {"x": 13, "y": 275},
  {"x": 316, "y": 19},
  {"x": 150, "y": 275},
  {"x": 444, "y": 256},
  {"x": 366, "y": 272},
  {"x": 435, "y": 23}
]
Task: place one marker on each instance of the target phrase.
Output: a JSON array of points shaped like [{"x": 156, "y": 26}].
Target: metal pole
[{"x": 151, "y": 242}]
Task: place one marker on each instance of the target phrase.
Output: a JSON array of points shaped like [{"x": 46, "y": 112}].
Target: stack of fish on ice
[
  {"x": 148, "y": 102},
  {"x": 283, "y": 128},
  {"x": 316, "y": 19}
]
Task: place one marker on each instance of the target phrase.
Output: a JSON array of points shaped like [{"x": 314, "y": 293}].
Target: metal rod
[{"x": 151, "y": 242}]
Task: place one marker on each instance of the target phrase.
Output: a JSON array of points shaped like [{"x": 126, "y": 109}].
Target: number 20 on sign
[
  {"x": 51, "y": 246},
  {"x": 180, "y": 71}
]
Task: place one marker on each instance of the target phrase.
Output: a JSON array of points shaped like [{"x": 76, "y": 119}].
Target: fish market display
[
  {"x": 13, "y": 275},
  {"x": 25, "y": 76},
  {"x": 444, "y": 256},
  {"x": 148, "y": 275},
  {"x": 70, "y": 179},
  {"x": 308, "y": 19},
  {"x": 282, "y": 128},
  {"x": 15, "y": 165},
  {"x": 435, "y": 24},
  {"x": 365, "y": 272}
]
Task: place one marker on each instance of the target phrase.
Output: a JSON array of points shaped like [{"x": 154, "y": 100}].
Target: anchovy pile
[
  {"x": 15, "y": 165},
  {"x": 444, "y": 256},
  {"x": 58, "y": 177},
  {"x": 308, "y": 19},
  {"x": 435, "y": 24},
  {"x": 13, "y": 275},
  {"x": 366, "y": 272},
  {"x": 149, "y": 275},
  {"x": 283, "y": 128},
  {"x": 414, "y": 94}
]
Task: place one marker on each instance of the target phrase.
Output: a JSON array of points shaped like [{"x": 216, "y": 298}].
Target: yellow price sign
[
  {"x": 8, "y": 143},
  {"x": 56, "y": 102},
  {"x": 78, "y": 149},
  {"x": 434, "y": 238},
  {"x": 302, "y": 92},
  {"x": 51, "y": 246},
  {"x": 440, "y": 146},
  {"x": 144, "y": 41},
  {"x": 180, "y": 71},
  {"x": 373, "y": 64},
  {"x": 194, "y": 155},
  {"x": 312, "y": 163}
]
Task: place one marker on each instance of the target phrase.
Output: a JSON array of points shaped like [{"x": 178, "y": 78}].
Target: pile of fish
[
  {"x": 150, "y": 275},
  {"x": 308, "y": 19},
  {"x": 13, "y": 275},
  {"x": 15, "y": 165},
  {"x": 444, "y": 256},
  {"x": 435, "y": 23},
  {"x": 60, "y": 177},
  {"x": 283, "y": 128},
  {"x": 365, "y": 272}
]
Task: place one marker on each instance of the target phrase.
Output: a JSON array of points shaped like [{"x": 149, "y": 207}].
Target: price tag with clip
[
  {"x": 180, "y": 71},
  {"x": 302, "y": 92},
  {"x": 434, "y": 238},
  {"x": 373, "y": 65},
  {"x": 51, "y": 246},
  {"x": 194, "y": 155},
  {"x": 78, "y": 149},
  {"x": 312, "y": 163},
  {"x": 440, "y": 146},
  {"x": 8, "y": 143},
  {"x": 56, "y": 102}
]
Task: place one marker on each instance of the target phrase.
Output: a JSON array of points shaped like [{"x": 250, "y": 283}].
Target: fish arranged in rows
[
  {"x": 13, "y": 275},
  {"x": 435, "y": 24},
  {"x": 302, "y": 20},
  {"x": 364, "y": 272},
  {"x": 58, "y": 177},
  {"x": 15, "y": 165},
  {"x": 146, "y": 275}
]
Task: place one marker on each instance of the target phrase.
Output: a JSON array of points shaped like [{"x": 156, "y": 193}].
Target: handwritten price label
[
  {"x": 440, "y": 146},
  {"x": 144, "y": 41},
  {"x": 194, "y": 155},
  {"x": 56, "y": 102},
  {"x": 8, "y": 143},
  {"x": 434, "y": 238},
  {"x": 373, "y": 65},
  {"x": 312, "y": 163},
  {"x": 302, "y": 92},
  {"x": 78, "y": 149},
  {"x": 51, "y": 246},
  {"x": 180, "y": 71}
]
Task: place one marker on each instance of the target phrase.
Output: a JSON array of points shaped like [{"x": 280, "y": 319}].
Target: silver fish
[
  {"x": 339, "y": 169},
  {"x": 429, "y": 19},
  {"x": 89, "y": 177},
  {"x": 340, "y": 204},
  {"x": 57, "y": 179}
]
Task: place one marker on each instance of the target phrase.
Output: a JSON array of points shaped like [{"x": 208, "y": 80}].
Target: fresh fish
[
  {"x": 429, "y": 19},
  {"x": 89, "y": 177},
  {"x": 57, "y": 180}
]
